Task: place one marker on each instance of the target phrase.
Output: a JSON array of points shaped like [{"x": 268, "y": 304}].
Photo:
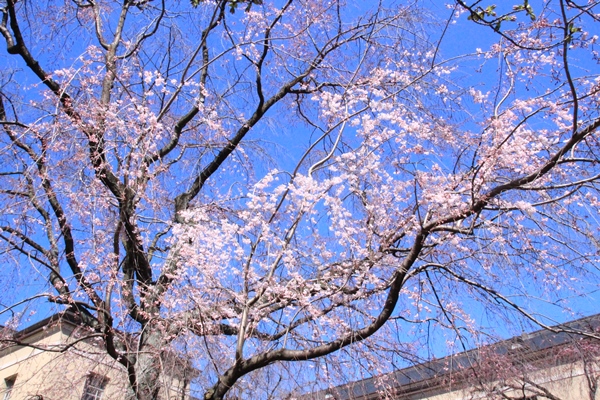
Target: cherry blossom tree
[{"x": 273, "y": 186}]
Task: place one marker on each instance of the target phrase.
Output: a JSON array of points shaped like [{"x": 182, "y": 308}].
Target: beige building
[
  {"x": 62, "y": 361},
  {"x": 557, "y": 364}
]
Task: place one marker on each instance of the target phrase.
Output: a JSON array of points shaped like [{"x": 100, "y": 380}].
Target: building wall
[
  {"x": 58, "y": 375},
  {"x": 62, "y": 375},
  {"x": 565, "y": 382}
]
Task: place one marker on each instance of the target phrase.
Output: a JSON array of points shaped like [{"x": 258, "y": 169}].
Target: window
[
  {"x": 9, "y": 384},
  {"x": 94, "y": 387}
]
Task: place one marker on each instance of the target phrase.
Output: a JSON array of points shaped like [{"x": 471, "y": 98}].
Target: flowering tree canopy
[{"x": 264, "y": 185}]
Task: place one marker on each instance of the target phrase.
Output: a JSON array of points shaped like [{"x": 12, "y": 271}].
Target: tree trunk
[{"x": 148, "y": 365}]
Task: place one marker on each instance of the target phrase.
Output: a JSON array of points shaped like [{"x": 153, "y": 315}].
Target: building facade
[{"x": 63, "y": 360}]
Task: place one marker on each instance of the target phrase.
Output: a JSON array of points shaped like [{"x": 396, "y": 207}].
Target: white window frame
[
  {"x": 94, "y": 387},
  {"x": 9, "y": 384}
]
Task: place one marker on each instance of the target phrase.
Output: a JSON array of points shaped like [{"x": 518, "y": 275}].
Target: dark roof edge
[{"x": 68, "y": 316}]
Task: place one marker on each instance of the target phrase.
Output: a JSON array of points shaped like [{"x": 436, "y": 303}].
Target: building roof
[
  {"x": 12, "y": 339},
  {"x": 429, "y": 378},
  {"x": 71, "y": 322}
]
